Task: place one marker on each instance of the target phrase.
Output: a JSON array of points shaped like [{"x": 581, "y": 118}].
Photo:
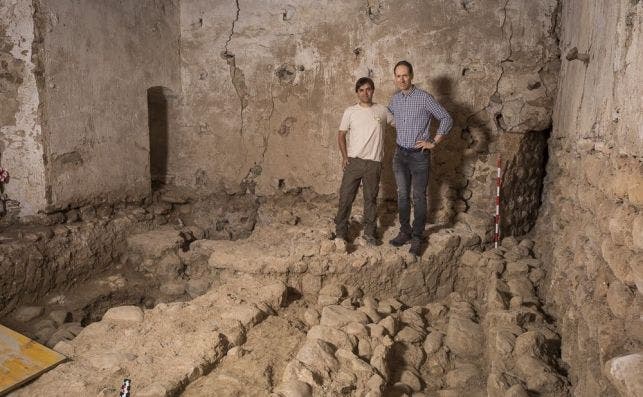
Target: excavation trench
[
  {"x": 289, "y": 309},
  {"x": 67, "y": 269}
]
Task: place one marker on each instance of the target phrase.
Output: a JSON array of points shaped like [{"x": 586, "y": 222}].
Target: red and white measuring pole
[
  {"x": 125, "y": 388},
  {"x": 496, "y": 235}
]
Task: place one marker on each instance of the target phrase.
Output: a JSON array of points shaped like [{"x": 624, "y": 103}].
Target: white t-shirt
[{"x": 365, "y": 127}]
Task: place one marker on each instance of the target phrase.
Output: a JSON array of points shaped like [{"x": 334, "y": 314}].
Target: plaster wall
[
  {"x": 265, "y": 84},
  {"x": 21, "y": 143},
  {"x": 591, "y": 224},
  {"x": 99, "y": 59}
]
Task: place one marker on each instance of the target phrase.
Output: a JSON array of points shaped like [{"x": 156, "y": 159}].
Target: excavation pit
[{"x": 425, "y": 323}]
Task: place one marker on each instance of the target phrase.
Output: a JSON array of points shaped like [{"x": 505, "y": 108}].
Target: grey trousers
[{"x": 368, "y": 173}]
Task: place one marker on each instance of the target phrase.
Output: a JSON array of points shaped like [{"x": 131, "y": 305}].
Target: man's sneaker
[
  {"x": 416, "y": 247},
  {"x": 371, "y": 240},
  {"x": 401, "y": 239}
]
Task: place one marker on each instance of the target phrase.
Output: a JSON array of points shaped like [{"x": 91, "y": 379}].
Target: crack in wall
[
  {"x": 630, "y": 23},
  {"x": 239, "y": 84},
  {"x": 554, "y": 31},
  {"x": 236, "y": 74},
  {"x": 37, "y": 58},
  {"x": 508, "y": 57},
  {"x": 495, "y": 97},
  {"x": 234, "y": 22},
  {"x": 266, "y": 136}
]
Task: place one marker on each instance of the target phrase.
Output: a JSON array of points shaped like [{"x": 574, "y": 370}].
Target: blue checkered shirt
[{"x": 413, "y": 113}]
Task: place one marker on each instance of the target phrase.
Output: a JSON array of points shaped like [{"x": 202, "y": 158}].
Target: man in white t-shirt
[{"x": 364, "y": 123}]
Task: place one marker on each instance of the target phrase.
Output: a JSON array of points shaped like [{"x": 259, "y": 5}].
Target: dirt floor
[
  {"x": 255, "y": 368},
  {"x": 287, "y": 310}
]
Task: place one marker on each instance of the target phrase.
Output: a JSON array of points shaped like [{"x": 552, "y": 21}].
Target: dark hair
[
  {"x": 362, "y": 81},
  {"x": 404, "y": 63}
]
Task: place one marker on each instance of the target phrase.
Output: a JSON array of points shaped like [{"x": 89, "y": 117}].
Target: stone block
[
  {"x": 625, "y": 374},
  {"x": 464, "y": 337},
  {"x": 246, "y": 314},
  {"x": 539, "y": 377},
  {"x": 67, "y": 332},
  {"x": 530, "y": 343},
  {"x": 294, "y": 388},
  {"x": 338, "y": 316},
  {"x": 410, "y": 335},
  {"x": 517, "y": 268},
  {"x": 380, "y": 362},
  {"x": 124, "y": 314},
  {"x": 412, "y": 380},
  {"x": 311, "y": 317},
  {"x": 464, "y": 377},
  {"x": 338, "y": 338},
  {"x": 637, "y": 232},
  {"x": 470, "y": 258},
  {"x": 433, "y": 342},
  {"x": 60, "y": 316},
  {"x": 520, "y": 285},
  {"x": 390, "y": 325},
  {"x": 27, "y": 313},
  {"x": 635, "y": 189},
  {"x": 618, "y": 259},
  {"x": 319, "y": 356},
  {"x": 173, "y": 288},
  {"x": 197, "y": 287},
  {"x": 155, "y": 244},
  {"x": 274, "y": 294},
  {"x": 619, "y": 298}
]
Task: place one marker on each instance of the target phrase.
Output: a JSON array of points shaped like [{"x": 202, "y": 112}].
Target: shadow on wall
[
  {"x": 449, "y": 190},
  {"x": 388, "y": 188},
  {"x": 444, "y": 183},
  {"x": 158, "y": 99},
  {"x": 387, "y": 207}
]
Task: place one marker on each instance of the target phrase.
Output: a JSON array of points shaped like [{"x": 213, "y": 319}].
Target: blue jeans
[{"x": 411, "y": 170}]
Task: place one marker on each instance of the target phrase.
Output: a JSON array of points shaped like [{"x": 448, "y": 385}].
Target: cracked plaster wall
[
  {"x": 21, "y": 146},
  {"x": 591, "y": 225},
  {"x": 265, "y": 84},
  {"x": 98, "y": 60}
]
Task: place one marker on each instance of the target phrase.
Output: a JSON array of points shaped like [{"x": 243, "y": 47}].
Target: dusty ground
[
  {"x": 291, "y": 312},
  {"x": 254, "y": 368}
]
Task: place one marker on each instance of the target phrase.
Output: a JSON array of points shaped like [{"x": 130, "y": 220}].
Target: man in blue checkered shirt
[{"x": 413, "y": 110}]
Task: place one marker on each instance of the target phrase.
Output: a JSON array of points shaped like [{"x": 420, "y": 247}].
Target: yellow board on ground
[{"x": 22, "y": 359}]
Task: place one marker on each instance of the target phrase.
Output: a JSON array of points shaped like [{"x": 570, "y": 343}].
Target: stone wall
[
  {"x": 74, "y": 80},
  {"x": 99, "y": 59},
  {"x": 21, "y": 143},
  {"x": 37, "y": 260},
  {"x": 265, "y": 84},
  {"x": 591, "y": 226},
  {"x": 254, "y": 101}
]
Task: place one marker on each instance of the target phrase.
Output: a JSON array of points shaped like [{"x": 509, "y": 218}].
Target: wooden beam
[{"x": 23, "y": 359}]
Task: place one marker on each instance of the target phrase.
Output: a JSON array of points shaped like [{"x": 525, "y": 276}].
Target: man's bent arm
[
  {"x": 341, "y": 142},
  {"x": 441, "y": 114},
  {"x": 446, "y": 122}
]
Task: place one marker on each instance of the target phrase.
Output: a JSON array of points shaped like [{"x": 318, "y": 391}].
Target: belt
[{"x": 409, "y": 150}]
